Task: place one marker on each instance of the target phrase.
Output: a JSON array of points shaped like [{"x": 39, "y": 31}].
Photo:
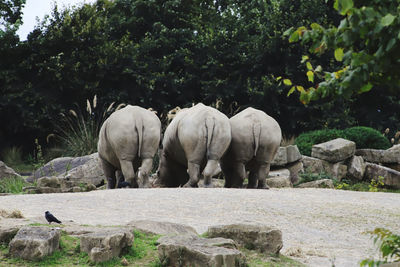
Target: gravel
[{"x": 320, "y": 227}]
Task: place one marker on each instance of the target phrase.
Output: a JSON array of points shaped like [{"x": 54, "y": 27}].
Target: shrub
[
  {"x": 366, "y": 137},
  {"x": 306, "y": 140}
]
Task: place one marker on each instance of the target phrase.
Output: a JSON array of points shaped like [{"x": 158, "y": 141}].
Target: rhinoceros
[
  {"x": 193, "y": 144},
  {"x": 129, "y": 138},
  {"x": 255, "y": 140}
]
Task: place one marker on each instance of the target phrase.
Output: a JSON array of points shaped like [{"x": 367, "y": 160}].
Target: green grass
[
  {"x": 308, "y": 176},
  {"x": 256, "y": 259},
  {"x": 13, "y": 185},
  {"x": 142, "y": 253},
  {"x": 346, "y": 184}
]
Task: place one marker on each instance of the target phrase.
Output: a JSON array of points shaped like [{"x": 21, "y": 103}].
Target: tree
[{"x": 366, "y": 44}]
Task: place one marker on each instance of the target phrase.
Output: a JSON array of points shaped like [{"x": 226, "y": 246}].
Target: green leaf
[
  {"x": 387, "y": 20},
  {"x": 315, "y": 26},
  {"x": 365, "y": 88},
  {"x": 318, "y": 68},
  {"x": 304, "y": 59},
  {"x": 309, "y": 66},
  {"x": 278, "y": 78},
  {"x": 391, "y": 43},
  {"x": 339, "y": 54},
  {"x": 288, "y": 31},
  {"x": 291, "y": 91},
  {"x": 294, "y": 37},
  {"x": 287, "y": 82},
  {"x": 310, "y": 76},
  {"x": 343, "y": 6}
]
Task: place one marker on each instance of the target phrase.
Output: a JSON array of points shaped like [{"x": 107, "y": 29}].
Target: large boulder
[
  {"x": 286, "y": 155},
  {"x": 390, "y": 177},
  {"x": 88, "y": 173},
  {"x": 7, "y": 234},
  {"x": 356, "y": 167},
  {"x": 162, "y": 228},
  {"x": 104, "y": 245},
  {"x": 390, "y": 156},
  {"x": 262, "y": 238},
  {"x": 183, "y": 250},
  {"x": 334, "y": 151},
  {"x": 72, "y": 171},
  {"x": 295, "y": 169},
  {"x": 279, "y": 178},
  {"x": 323, "y": 183},
  {"x": 314, "y": 165},
  {"x": 34, "y": 243},
  {"x": 6, "y": 171}
]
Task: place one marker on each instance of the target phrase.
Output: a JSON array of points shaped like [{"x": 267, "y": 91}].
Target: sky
[{"x": 39, "y": 8}]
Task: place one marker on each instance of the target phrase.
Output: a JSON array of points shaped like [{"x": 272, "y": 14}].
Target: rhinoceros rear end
[
  {"x": 193, "y": 144},
  {"x": 129, "y": 138},
  {"x": 255, "y": 140}
]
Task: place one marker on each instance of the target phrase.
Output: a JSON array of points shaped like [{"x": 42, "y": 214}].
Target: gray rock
[
  {"x": 162, "y": 228},
  {"x": 55, "y": 167},
  {"x": 34, "y": 243},
  {"x": 88, "y": 173},
  {"x": 47, "y": 190},
  {"x": 6, "y": 171},
  {"x": 293, "y": 154},
  {"x": 334, "y": 151},
  {"x": 199, "y": 252},
  {"x": 295, "y": 169},
  {"x": 391, "y": 177},
  {"x": 336, "y": 170},
  {"x": 279, "y": 173},
  {"x": 104, "y": 245},
  {"x": 7, "y": 233},
  {"x": 280, "y": 157},
  {"x": 53, "y": 182},
  {"x": 314, "y": 165},
  {"x": 391, "y": 155},
  {"x": 356, "y": 167},
  {"x": 323, "y": 183},
  {"x": 279, "y": 182},
  {"x": 262, "y": 238}
]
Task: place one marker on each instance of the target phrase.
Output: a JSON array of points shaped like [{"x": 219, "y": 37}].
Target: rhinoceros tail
[
  {"x": 210, "y": 125},
  {"x": 256, "y": 136},
  {"x": 139, "y": 129}
]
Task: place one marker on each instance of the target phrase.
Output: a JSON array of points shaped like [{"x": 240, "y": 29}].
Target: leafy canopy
[{"x": 365, "y": 44}]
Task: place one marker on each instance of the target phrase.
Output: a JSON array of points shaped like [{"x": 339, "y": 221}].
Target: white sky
[{"x": 39, "y": 8}]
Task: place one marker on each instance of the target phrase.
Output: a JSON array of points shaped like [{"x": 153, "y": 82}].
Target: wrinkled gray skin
[
  {"x": 193, "y": 144},
  {"x": 129, "y": 138},
  {"x": 255, "y": 140}
]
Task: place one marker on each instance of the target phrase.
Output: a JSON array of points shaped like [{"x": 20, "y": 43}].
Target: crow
[{"x": 50, "y": 217}]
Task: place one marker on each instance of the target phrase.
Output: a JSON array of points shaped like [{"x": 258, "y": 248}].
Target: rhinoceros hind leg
[
  {"x": 262, "y": 174},
  {"x": 128, "y": 172},
  {"x": 144, "y": 171},
  {"x": 194, "y": 172},
  {"x": 109, "y": 173}
]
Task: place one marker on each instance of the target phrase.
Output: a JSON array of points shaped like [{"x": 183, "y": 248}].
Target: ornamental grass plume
[{"x": 78, "y": 131}]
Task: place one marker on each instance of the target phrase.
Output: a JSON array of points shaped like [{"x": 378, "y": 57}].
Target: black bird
[{"x": 50, "y": 217}]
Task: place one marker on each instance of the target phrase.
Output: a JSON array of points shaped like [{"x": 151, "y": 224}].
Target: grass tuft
[{"x": 13, "y": 185}]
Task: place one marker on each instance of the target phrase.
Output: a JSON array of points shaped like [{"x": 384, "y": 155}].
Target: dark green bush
[
  {"x": 366, "y": 137},
  {"x": 306, "y": 140}
]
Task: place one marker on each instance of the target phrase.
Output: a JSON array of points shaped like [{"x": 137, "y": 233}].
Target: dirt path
[{"x": 319, "y": 226}]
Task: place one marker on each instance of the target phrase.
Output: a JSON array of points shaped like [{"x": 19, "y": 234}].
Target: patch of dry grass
[{"x": 11, "y": 214}]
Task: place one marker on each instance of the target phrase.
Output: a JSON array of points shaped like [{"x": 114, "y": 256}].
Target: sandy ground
[{"x": 320, "y": 226}]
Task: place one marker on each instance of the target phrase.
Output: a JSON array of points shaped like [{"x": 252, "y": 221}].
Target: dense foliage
[
  {"x": 364, "y": 137},
  {"x": 163, "y": 54},
  {"x": 366, "y": 43}
]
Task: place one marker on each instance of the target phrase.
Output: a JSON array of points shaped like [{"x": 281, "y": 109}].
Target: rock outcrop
[
  {"x": 390, "y": 177},
  {"x": 323, "y": 183},
  {"x": 334, "y": 151},
  {"x": 183, "y": 250},
  {"x": 34, "y": 243},
  {"x": 6, "y": 171},
  {"x": 262, "y": 238},
  {"x": 104, "y": 245}
]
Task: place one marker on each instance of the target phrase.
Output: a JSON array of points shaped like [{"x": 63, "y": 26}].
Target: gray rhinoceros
[
  {"x": 193, "y": 144},
  {"x": 129, "y": 138},
  {"x": 255, "y": 140}
]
